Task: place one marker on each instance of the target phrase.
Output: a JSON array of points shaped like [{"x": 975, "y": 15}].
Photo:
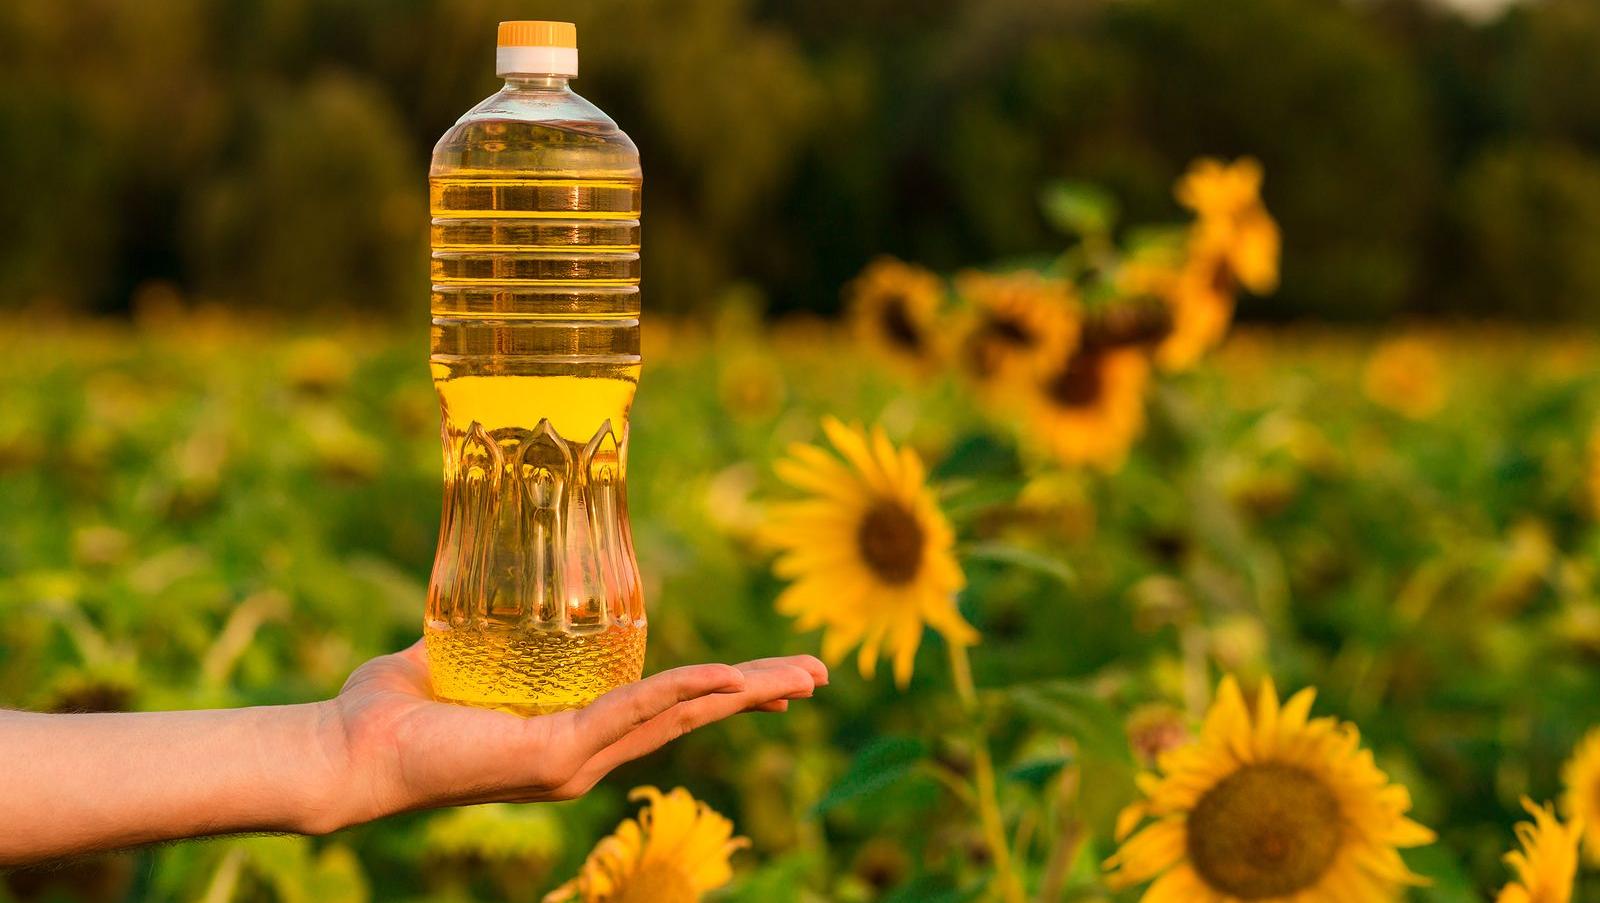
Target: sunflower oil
[{"x": 534, "y": 604}]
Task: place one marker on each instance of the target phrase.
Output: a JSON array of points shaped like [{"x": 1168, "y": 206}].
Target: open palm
[{"x": 400, "y": 749}]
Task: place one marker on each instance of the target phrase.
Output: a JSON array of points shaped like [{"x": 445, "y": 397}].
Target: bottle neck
[{"x": 532, "y": 82}]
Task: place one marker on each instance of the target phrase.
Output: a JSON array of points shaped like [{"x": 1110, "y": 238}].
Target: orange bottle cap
[
  {"x": 537, "y": 48},
  {"x": 538, "y": 34}
]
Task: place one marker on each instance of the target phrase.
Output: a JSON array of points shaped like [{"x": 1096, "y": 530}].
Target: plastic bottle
[{"x": 535, "y": 603}]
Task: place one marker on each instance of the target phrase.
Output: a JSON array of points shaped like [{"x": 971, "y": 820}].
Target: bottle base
[
  {"x": 531, "y": 672},
  {"x": 528, "y": 710}
]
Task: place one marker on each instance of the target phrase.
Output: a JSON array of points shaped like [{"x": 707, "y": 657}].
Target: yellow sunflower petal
[
  {"x": 852, "y": 443},
  {"x": 1181, "y": 885},
  {"x": 1580, "y": 802},
  {"x": 1148, "y": 853}
]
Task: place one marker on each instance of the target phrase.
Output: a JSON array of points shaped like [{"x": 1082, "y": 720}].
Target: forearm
[{"x": 76, "y": 783}]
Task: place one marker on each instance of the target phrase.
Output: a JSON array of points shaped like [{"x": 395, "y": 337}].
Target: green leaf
[
  {"x": 1005, "y": 553},
  {"x": 979, "y": 455},
  {"x": 1078, "y": 208},
  {"x": 1156, "y": 240},
  {"x": 881, "y": 763},
  {"x": 965, "y": 498},
  {"x": 1037, "y": 772},
  {"x": 1068, "y": 708}
]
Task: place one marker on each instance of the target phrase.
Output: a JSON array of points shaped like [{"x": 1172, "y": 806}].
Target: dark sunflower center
[
  {"x": 1265, "y": 831},
  {"x": 979, "y": 357},
  {"x": 1011, "y": 331},
  {"x": 890, "y": 540},
  {"x": 897, "y": 324},
  {"x": 1134, "y": 321},
  {"x": 1077, "y": 385},
  {"x": 1222, "y": 281}
]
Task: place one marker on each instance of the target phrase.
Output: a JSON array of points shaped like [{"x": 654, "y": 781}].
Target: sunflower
[
  {"x": 1547, "y": 861},
  {"x": 1270, "y": 806},
  {"x": 1019, "y": 323},
  {"x": 677, "y": 850},
  {"x": 1232, "y": 227},
  {"x": 869, "y": 551},
  {"x": 1234, "y": 241},
  {"x": 1581, "y": 777},
  {"x": 1406, "y": 375},
  {"x": 894, "y": 308},
  {"x": 1091, "y": 408}
]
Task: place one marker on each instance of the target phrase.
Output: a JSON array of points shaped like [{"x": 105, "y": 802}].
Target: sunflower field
[{"x": 1122, "y": 602}]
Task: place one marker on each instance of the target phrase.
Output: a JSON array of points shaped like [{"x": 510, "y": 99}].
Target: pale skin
[{"x": 74, "y": 784}]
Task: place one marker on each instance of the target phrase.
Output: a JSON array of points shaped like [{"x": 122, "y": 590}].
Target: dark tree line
[{"x": 272, "y": 153}]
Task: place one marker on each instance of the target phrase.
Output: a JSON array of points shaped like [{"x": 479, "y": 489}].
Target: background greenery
[
  {"x": 205, "y": 512},
  {"x": 272, "y": 154}
]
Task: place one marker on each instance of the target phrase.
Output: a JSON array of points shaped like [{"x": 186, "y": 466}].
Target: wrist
[{"x": 318, "y": 791}]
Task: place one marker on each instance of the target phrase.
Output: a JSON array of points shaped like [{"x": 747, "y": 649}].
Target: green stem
[
  {"x": 988, "y": 796},
  {"x": 952, "y": 782}
]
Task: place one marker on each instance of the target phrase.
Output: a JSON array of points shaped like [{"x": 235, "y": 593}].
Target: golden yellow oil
[
  {"x": 535, "y": 604},
  {"x": 536, "y": 672}
]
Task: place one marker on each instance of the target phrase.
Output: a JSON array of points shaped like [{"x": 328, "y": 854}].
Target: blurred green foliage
[
  {"x": 272, "y": 153},
  {"x": 200, "y": 511}
]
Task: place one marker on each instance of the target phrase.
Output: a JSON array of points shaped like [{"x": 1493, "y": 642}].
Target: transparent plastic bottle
[{"x": 535, "y": 603}]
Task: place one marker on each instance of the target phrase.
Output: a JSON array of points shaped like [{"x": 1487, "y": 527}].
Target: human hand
[{"x": 393, "y": 748}]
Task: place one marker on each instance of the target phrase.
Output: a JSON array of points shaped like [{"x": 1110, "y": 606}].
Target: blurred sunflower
[
  {"x": 894, "y": 308},
  {"x": 869, "y": 551},
  {"x": 1234, "y": 241},
  {"x": 677, "y": 850},
  {"x": 1581, "y": 778},
  {"x": 1406, "y": 376},
  {"x": 1273, "y": 806},
  {"x": 1547, "y": 861},
  {"x": 1019, "y": 323},
  {"x": 1090, "y": 409},
  {"x": 1232, "y": 227}
]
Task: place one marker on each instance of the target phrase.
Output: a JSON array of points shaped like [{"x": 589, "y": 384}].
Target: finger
[
  {"x": 616, "y": 714},
  {"x": 809, "y": 663},
  {"x": 773, "y": 705},
  {"x": 764, "y": 686}
]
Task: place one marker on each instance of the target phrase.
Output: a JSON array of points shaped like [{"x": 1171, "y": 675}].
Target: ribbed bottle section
[{"x": 535, "y": 248}]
